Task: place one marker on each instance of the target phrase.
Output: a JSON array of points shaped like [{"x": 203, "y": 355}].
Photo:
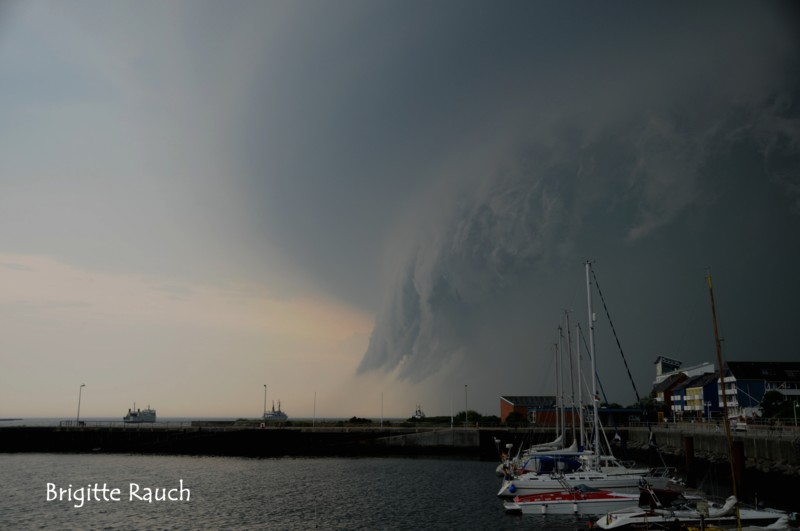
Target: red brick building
[{"x": 528, "y": 406}]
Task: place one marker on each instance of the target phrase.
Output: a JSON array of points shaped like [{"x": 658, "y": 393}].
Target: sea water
[{"x": 115, "y": 492}]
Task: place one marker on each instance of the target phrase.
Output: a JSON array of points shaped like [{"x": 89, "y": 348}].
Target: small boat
[
  {"x": 698, "y": 512},
  {"x": 536, "y": 483},
  {"x": 580, "y": 500},
  {"x": 136, "y": 416},
  {"x": 275, "y": 415}
]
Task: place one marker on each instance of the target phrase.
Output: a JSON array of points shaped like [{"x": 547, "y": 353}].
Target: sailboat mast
[
  {"x": 725, "y": 419},
  {"x": 563, "y": 391},
  {"x": 595, "y": 398},
  {"x": 571, "y": 375},
  {"x": 580, "y": 382},
  {"x": 559, "y": 425}
]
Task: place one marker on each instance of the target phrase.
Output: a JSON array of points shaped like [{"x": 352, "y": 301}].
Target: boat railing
[
  {"x": 754, "y": 430},
  {"x": 663, "y": 472}
]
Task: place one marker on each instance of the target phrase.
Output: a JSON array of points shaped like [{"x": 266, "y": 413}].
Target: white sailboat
[
  {"x": 579, "y": 500},
  {"x": 615, "y": 476}
]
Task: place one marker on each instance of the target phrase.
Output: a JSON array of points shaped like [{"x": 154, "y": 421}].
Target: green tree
[
  {"x": 515, "y": 418},
  {"x": 473, "y": 417},
  {"x": 772, "y": 404}
]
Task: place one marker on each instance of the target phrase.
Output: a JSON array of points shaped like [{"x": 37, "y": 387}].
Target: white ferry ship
[
  {"x": 275, "y": 416},
  {"x": 138, "y": 415}
]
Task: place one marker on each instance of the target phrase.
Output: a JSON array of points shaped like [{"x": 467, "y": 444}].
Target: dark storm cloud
[{"x": 680, "y": 138}]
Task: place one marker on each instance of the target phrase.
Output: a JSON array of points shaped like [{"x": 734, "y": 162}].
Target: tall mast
[
  {"x": 559, "y": 424},
  {"x": 595, "y": 398},
  {"x": 571, "y": 375},
  {"x": 563, "y": 391},
  {"x": 726, "y": 421},
  {"x": 580, "y": 382}
]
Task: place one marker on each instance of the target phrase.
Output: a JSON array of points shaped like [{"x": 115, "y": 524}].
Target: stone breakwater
[
  {"x": 764, "y": 450},
  {"x": 251, "y": 442},
  {"x": 768, "y": 462}
]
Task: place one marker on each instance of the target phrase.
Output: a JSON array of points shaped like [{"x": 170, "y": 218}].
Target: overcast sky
[{"x": 367, "y": 199}]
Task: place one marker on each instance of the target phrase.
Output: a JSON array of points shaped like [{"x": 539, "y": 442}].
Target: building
[
  {"x": 746, "y": 383},
  {"x": 527, "y": 406},
  {"x": 668, "y": 386},
  {"x": 542, "y": 411},
  {"x": 696, "y": 397},
  {"x": 666, "y": 366},
  {"x": 665, "y": 390},
  {"x": 696, "y": 392}
]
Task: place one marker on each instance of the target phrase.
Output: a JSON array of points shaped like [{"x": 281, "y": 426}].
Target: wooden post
[
  {"x": 688, "y": 450},
  {"x": 737, "y": 465}
]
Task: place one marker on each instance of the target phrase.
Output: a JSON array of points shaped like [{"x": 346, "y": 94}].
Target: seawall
[
  {"x": 252, "y": 442},
  {"x": 763, "y": 451},
  {"x": 768, "y": 461}
]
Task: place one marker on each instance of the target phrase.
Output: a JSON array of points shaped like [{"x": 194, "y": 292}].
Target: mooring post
[
  {"x": 738, "y": 464},
  {"x": 688, "y": 450}
]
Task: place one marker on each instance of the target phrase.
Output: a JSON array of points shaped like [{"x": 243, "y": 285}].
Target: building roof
[
  {"x": 530, "y": 401},
  {"x": 770, "y": 371},
  {"x": 669, "y": 360},
  {"x": 671, "y": 381},
  {"x": 701, "y": 380}
]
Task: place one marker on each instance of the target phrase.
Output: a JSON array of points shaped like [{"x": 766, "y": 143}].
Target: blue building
[
  {"x": 746, "y": 383},
  {"x": 697, "y": 397}
]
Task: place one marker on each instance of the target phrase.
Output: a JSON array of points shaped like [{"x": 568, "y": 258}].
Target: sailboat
[
  {"x": 581, "y": 500},
  {"x": 590, "y": 473},
  {"x": 700, "y": 512}
]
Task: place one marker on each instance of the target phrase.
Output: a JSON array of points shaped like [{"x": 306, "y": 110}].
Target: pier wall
[
  {"x": 766, "y": 451},
  {"x": 252, "y": 442},
  {"x": 446, "y": 437}
]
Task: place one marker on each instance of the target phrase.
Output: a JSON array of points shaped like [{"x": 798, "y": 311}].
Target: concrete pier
[
  {"x": 761, "y": 449},
  {"x": 764, "y": 451},
  {"x": 249, "y": 441}
]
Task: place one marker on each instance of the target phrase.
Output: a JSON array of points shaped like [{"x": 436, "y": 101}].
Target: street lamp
[
  {"x": 708, "y": 410},
  {"x": 80, "y": 390},
  {"x": 795, "y": 414},
  {"x": 265, "y": 401},
  {"x": 466, "y": 407}
]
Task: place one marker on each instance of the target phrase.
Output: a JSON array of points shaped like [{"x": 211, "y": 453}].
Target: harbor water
[{"x": 76, "y": 491}]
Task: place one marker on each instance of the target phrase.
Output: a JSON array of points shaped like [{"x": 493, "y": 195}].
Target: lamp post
[
  {"x": 80, "y": 390},
  {"x": 708, "y": 411},
  {"x": 265, "y": 401},
  {"x": 795, "y": 414},
  {"x": 466, "y": 407}
]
